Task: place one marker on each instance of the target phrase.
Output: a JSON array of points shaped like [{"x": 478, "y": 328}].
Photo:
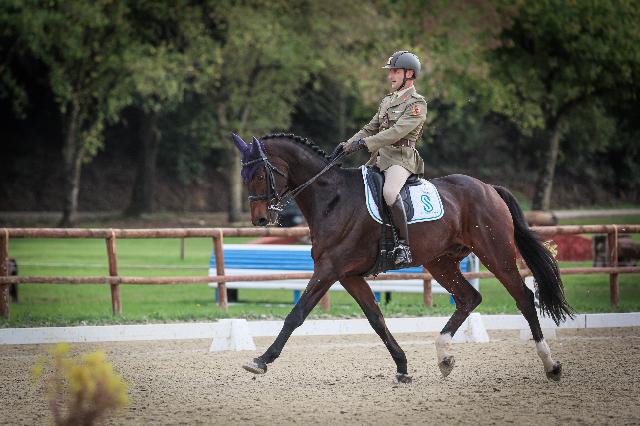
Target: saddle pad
[{"x": 425, "y": 199}]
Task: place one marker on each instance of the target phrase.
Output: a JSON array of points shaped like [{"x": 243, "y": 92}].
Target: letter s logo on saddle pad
[{"x": 426, "y": 202}]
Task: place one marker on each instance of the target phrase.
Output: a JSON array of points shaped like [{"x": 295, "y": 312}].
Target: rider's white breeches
[{"x": 394, "y": 178}]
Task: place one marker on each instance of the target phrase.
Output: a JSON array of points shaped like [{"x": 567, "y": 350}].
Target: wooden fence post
[
  {"x": 612, "y": 244},
  {"x": 427, "y": 295},
  {"x": 116, "y": 304},
  {"x": 4, "y": 271},
  {"x": 325, "y": 302},
  {"x": 218, "y": 250}
]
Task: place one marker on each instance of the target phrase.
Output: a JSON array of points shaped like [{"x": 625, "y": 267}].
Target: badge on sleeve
[{"x": 415, "y": 110}]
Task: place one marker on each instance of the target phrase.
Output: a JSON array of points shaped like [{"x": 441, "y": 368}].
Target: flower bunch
[{"x": 81, "y": 389}]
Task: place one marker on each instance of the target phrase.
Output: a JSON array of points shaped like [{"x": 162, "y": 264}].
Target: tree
[
  {"x": 270, "y": 51},
  {"x": 82, "y": 46},
  {"x": 557, "y": 57},
  {"x": 174, "y": 55}
]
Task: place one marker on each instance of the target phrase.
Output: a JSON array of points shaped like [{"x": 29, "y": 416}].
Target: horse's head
[{"x": 265, "y": 181}]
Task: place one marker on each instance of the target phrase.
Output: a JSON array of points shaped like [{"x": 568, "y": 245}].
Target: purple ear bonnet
[{"x": 248, "y": 154}]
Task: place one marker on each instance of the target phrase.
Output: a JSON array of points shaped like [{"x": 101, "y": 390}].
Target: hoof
[
  {"x": 555, "y": 373},
  {"x": 256, "y": 366},
  {"x": 403, "y": 378},
  {"x": 447, "y": 365}
]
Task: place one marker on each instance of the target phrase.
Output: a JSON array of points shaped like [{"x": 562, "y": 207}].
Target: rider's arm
[
  {"x": 370, "y": 129},
  {"x": 413, "y": 116}
]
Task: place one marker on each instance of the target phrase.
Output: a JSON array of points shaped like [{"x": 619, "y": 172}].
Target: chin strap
[{"x": 404, "y": 79}]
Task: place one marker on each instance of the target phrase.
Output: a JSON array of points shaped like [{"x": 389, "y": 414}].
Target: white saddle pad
[{"x": 426, "y": 201}]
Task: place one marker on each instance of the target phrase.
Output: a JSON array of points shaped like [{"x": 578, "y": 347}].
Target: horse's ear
[
  {"x": 239, "y": 143},
  {"x": 256, "y": 145}
]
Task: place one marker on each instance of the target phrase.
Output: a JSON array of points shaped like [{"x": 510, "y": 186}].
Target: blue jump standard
[{"x": 296, "y": 259}]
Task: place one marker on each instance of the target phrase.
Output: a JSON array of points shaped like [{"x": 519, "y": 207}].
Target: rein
[
  {"x": 287, "y": 197},
  {"x": 272, "y": 194}
]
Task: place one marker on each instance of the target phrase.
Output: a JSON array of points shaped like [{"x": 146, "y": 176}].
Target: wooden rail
[{"x": 217, "y": 234}]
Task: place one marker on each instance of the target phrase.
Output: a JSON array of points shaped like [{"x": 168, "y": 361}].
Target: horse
[{"x": 479, "y": 218}]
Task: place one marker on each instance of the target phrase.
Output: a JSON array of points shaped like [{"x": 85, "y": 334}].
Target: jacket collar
[{"x": 406, "y": 94}]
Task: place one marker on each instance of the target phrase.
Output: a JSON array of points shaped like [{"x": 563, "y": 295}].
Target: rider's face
[{"x": 396, "y": 76}]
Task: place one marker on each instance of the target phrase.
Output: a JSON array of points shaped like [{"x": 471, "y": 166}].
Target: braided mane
[{"x": 299, "y": 139}]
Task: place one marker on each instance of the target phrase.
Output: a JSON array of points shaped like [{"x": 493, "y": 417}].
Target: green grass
[{"x": 47, "y": 304}]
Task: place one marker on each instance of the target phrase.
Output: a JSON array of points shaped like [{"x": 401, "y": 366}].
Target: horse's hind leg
[
  {"x": 446, "y": 271},
  {"x": 503, "y": 265},
  {"x": 361, "y": 292}
]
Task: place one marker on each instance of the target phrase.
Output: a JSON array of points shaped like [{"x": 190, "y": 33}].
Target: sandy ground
[{"x": 349, "y": 380}]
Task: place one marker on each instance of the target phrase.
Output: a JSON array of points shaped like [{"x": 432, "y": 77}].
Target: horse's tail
[{"x": 541, "y": 262}]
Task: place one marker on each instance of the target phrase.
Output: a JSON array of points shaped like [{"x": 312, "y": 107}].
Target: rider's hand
[
  {"x": 353, "y": 146},
  {"x": 337, "y": 150}
]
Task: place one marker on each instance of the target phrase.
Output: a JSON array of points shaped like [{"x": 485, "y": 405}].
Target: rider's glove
[
  {"x": 337, "y": 150},
  {"x": 353, "y": 146}
]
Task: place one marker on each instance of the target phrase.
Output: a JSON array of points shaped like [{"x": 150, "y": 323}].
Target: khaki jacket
[{"x": 398, "y": 117}]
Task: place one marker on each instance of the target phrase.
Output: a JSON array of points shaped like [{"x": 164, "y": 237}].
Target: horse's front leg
[
  {"x": 361, "y": 292},
  {"x": 320, "y": 282}
]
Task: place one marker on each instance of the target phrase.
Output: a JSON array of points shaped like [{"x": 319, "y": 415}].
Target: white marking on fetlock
[
  {"x": 443, "y": 346},
  {"x": 545, "y": 355}
]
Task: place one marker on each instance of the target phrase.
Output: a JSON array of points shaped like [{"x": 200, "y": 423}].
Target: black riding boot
[{"x": 402, "y": 251}]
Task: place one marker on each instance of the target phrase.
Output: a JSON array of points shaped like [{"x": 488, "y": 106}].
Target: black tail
[{"x": 541, "y": 262}]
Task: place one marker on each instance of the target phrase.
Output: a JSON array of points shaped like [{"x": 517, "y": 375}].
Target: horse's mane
[{"x": 299, "y": 139}]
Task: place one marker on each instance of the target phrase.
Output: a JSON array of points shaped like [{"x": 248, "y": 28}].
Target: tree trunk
[
  {"x": 233, "y": 171},
  {"x": 72, "y": 152},
  {"x": 143, "y": 187},
  {"x": 235, "y": 193},
  {"x": 544, "y": 183}
]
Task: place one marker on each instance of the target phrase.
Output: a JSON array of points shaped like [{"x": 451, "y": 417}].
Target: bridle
[
  {"x": 271, "y": 196},
  {"x": 276, "y": 202}
]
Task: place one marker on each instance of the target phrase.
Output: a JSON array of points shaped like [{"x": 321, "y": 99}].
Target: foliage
[
  {"x": 173, "y": 53},
  {"x": 502, "y": 77},
  {"x": 81, "y": 45},
  {"x": 271, "y": 49},
  {"x": 81, "y": 389},
  {"x": 559, "y": 53}
]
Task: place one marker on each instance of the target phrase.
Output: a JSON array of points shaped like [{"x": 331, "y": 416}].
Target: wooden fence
[{"x": 114, "y": 280}]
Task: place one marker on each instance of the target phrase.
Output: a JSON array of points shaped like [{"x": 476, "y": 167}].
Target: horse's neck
[
  {"x": 315, "y": 199},
  {"x": 320, "y": 196}
]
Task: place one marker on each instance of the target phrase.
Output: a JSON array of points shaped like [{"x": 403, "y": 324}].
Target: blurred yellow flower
[{"x": 81, "y": 389}]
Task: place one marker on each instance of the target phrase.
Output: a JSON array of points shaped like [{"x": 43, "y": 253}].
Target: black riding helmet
[{"x": 407, "y": 61}]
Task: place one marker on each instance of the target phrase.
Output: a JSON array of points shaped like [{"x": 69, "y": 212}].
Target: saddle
[{"x": 385, "y": 259}]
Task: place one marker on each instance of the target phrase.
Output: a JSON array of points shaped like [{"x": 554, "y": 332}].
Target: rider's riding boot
[{"x": 402, "y": 251}]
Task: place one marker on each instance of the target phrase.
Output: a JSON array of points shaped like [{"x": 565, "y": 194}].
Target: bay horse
[{"x": 479, "y": 218}]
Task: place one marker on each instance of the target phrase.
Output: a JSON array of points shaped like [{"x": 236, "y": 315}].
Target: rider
[{"x": 391, "y": 137}]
